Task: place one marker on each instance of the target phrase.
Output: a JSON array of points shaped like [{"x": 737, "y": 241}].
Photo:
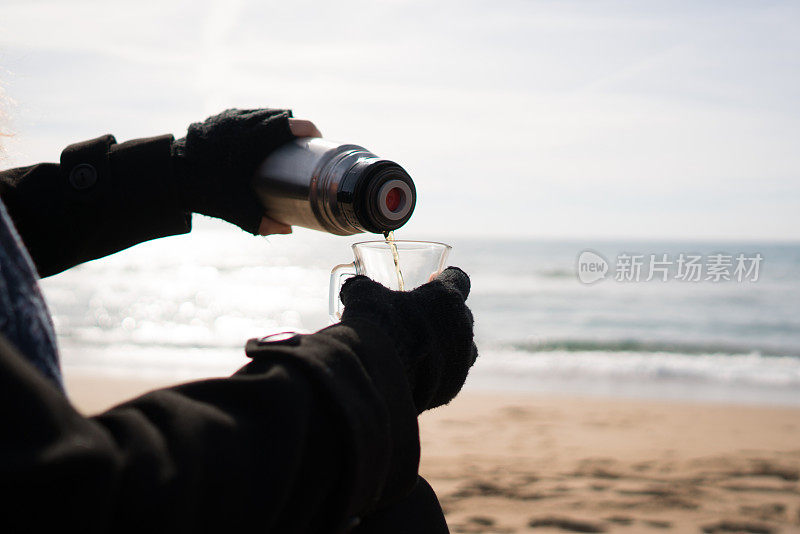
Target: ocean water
[{"x": 183, "y": 307}]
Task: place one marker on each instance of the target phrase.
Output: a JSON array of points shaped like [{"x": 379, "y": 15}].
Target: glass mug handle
[{"x": 340, "y": 272}]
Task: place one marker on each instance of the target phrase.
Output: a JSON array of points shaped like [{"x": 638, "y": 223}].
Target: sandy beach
[{"x": 529, "y": 463}]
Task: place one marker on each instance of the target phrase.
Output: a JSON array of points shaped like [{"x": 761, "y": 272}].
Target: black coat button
[{"x": 83, "y": 176}]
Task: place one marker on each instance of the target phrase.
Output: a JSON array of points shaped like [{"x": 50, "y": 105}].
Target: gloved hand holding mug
[{"x": 431, "y": 327}]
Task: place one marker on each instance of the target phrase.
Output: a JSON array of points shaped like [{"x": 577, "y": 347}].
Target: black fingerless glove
[
  {"x": 214, "y": 164},
  {"x": 430, "y": 326}
]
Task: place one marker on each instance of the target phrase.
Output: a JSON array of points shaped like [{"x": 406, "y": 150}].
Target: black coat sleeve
[
  {"x": 103, "y": 197},
  {"x": 314, "y": 433}
]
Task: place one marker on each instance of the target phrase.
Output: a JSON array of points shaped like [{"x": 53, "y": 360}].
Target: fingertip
[
  {"x": 457, "y": 278},
  {"x": 271, "y": 227},
  {"x": 303, "y": 128}
]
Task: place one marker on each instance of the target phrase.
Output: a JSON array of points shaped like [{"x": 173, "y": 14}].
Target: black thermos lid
[{"x": 377, "y": 195}]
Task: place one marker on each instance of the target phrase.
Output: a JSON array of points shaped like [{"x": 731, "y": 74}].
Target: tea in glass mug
[{"x": 399, "y": 265}]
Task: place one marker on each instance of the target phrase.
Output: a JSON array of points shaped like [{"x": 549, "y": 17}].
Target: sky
[{"x": 607, "y": 120}]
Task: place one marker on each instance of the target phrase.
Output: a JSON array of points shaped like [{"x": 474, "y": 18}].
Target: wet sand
[{"x": 529, "y": 463}]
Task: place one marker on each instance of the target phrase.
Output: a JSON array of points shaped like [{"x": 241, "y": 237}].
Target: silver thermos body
[{"x": 338, "y": 188}]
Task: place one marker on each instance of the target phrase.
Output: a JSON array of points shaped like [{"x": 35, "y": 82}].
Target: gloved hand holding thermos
[{"x": 311, "y": 182}]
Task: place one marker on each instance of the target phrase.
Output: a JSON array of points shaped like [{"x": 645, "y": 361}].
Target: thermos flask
[{"x": 338, "y": 188}]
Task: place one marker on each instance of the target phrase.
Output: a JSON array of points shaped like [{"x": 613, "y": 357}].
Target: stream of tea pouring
[{"x": 389, "y": 236}]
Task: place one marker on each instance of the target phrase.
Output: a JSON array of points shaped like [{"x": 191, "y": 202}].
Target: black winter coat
[{"x": 317, "y": 431}]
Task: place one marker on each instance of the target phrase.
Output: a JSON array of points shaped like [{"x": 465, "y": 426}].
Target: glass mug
[{"x": 419, "y": 261}]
